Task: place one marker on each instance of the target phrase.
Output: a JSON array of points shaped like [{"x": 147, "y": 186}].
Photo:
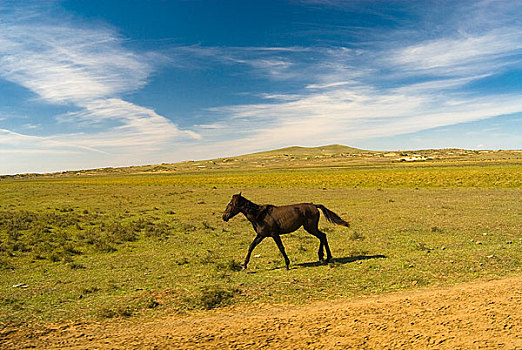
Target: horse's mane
[
  {"x": 248, "y": 205},
  {"x": 256, "y": 209}
]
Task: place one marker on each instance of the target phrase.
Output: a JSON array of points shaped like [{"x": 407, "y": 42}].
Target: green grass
[
  {"x": 390, "y": 176},
  {"x": 126, "y": 245}
]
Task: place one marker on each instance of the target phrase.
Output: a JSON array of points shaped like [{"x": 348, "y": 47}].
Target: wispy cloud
[
  {"x": 275, "y": 63},
  {"x": 465, "y": 54},
  {"x": 85, "y": 67},
  {"x": 13, "y": 141},
  {"x": 327, "y": 85},
  {"x": 382, "y": 89}
]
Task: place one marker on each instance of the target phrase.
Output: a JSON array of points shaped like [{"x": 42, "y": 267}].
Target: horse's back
[
  {"x": 305, "y": 206},
  {"x": 291, "y": 217}
]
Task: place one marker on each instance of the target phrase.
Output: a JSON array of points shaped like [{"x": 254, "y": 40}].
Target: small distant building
[{"x": 413, "y": 158}]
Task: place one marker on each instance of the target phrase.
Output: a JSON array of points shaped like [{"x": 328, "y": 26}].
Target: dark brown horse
[{"x": 271, "y": 221}]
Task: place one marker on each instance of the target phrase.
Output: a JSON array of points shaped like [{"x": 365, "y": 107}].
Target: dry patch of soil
[{"x": 479, "y": 315}]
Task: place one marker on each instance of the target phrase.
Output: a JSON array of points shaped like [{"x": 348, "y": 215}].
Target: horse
[{"x": 273, "y": 221}]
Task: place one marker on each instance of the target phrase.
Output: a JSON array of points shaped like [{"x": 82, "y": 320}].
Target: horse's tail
[{"x": 331, "y": 216}]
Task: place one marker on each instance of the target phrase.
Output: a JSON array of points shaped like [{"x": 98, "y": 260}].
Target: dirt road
[{"x": 479, "y": 315}]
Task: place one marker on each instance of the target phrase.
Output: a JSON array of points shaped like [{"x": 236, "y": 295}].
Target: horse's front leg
[
  {"x": 279, "y": 243},
  {"x": 254, "y": 243}
]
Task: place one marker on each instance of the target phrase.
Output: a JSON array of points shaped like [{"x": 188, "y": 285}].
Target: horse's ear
[{"x": 240, "y": 194}]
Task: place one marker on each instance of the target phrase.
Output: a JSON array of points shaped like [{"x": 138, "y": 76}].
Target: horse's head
[{"x": 233, "y": 207}]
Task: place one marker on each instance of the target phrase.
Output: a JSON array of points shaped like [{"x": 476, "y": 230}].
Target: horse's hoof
[
  {"x": 243, "y": 268},
  {"x": 322, "y": 261}
]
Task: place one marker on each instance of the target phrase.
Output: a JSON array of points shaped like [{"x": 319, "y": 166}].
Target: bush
[
  {"x": 104, "y": 246},
  {"x": 355, "y": 235},
  {"x": 119, "y": 311},
  {"x": 5, "y": 264},
  {"x": 231, "y": 265},
  {"x": 159, "y": 230},
  {"x": 121, "y": 233},
  {"x": 214, "y": 296},
  {"x": 76, "y": 266},
  {"x": 70, "y": 249},
  {"x": 89, "y": 236}
]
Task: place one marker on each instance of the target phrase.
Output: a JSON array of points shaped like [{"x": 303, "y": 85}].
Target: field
[{"x": 147, "y": 242}]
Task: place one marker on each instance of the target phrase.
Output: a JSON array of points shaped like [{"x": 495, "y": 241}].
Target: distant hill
[
  {"x": 308, "y": 157},
  {"x": 310, "y": 151}
]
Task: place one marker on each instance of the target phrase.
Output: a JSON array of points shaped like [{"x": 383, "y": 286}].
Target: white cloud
[
  {"x": 37, "y": 152},
  {"x": 465, "y": 54},
  {"x": 29, "y": 126},
  {"x": 211, "y": 126},
  {"x": 328, "y": 85},
  {"x": 386, "y": 88},
  {"x": 347, "y": 115},
  {"x": 65, "y": 64},
  {"x": 87, "y": 68},
  {"x": 11, "y": 141}
]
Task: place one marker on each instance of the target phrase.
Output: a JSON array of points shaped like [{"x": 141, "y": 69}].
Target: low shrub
[
  {"x": 118, "y": 311},
  {"x": 211, "y": 297},
  {"x": 230, "y": 265}
]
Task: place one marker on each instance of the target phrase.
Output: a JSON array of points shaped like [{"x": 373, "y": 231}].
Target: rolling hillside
[{"x": 311, "y": 157}]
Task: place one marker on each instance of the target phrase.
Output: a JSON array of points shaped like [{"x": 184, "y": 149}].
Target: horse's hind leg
[
  {"x": 279, "y": 243},
  {"x": 311, "y": 227},
  {"x": 320, "y": 252},
  {"x": 324, "y": 243},
  {"x": 326, "y": 247}
]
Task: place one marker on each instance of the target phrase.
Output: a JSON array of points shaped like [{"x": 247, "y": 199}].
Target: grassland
[{"x": 150, "y": 240}]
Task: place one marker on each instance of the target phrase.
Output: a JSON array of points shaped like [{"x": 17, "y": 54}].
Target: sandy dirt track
[{"x": 479, "y": 315}]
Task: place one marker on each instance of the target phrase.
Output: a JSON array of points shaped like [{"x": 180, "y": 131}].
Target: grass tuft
[
  {"x": 230, "y": 265},
  {"x": 211, "y": 297}
]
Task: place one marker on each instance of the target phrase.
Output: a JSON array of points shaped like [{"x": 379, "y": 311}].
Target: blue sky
[{"x": 87, "y": 84}]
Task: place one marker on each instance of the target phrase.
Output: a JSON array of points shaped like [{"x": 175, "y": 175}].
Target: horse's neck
[{"x": 250, "y": 210}]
